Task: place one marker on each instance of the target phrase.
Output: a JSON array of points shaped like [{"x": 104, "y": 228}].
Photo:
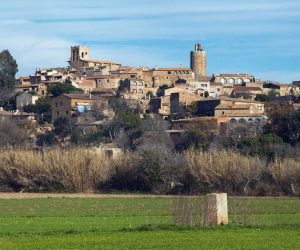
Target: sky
[{"x": 259, "y": 37}]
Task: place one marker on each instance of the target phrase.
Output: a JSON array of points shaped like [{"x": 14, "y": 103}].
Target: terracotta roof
[
  {"x": 7, "y": 113},
  {"x": 233, "y": 75},
  {"x": 26, "y": 86},
  {"x": 228, "y": 107},
  {"x": 225, "y": 98},
  {"x": 216, "y": 84},
  {"x": 137, "y": 79},
  {"x": 97, "y": 61},
  {"x": 243, "y": 88},
  {"x": 87, "y": 83},
  {"x": 102, "y": 77},
  {"x": 173, "y": 69},
  {"x": 83, "y": 96}
]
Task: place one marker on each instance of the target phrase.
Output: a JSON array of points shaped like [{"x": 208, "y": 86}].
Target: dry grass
[
  {"x": 83, "y": 170},
  {"x": 76, "y": 170},
  {"x": 224, "y": 170}
]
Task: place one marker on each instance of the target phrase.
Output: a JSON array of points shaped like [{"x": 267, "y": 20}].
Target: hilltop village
[{"x": 89, "y": 95}]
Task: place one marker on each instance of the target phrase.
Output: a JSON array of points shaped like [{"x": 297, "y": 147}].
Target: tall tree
[{"x": 8, "y": 71}]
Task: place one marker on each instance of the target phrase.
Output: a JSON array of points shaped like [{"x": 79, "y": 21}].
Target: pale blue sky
[{"x": 260, "y": 37}]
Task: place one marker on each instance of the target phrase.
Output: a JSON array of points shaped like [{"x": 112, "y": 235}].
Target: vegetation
[
  {"x": 11, "y": 134},
  {"x": 62, "y": 88},
  {"x": 152, "y": 168},
  {"x": 42, "y": 108},
  {"x": 266, "y": 98},
  {"x": 8, "y": 71},
  {"x": 161, "y": 90},
  {"x": 143, "y": 223}
]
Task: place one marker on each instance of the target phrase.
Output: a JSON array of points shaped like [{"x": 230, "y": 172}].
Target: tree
[
  {"x": 62, "y": 127},
  {"x": 42, "y": 108},
  {"x": 161, "y": 89},
  {"x": 8, "y": 71},
  {"x": 11, "y": 134},
  {"x": 62, "y": 88},
  {"x": 284, "y": 122},
  {"x": 199, "y": 134}
]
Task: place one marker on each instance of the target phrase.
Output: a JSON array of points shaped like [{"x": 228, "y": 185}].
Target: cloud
[{"x": 253, "y": 36}]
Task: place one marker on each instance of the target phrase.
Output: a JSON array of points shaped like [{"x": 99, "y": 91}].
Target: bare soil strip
[
  {"x": 75, "y": 195},
  {"x": 11, "y": 195}
]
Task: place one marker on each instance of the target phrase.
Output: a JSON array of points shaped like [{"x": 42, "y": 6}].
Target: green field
[{"x": 144, "y": 223}]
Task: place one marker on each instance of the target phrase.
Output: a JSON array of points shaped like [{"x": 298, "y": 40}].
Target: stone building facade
[{"x": 233, "y": 79}]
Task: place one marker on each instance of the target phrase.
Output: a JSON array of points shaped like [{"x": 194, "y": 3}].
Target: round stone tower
[{"x": 198, "y": 61}]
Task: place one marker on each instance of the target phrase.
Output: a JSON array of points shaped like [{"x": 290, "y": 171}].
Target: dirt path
[
  {"x": 74, "y": 195},
  {"x": 90, "y": 195}
]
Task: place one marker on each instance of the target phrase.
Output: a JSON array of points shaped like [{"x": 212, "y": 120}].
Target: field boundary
[{"x": 14, "y": 195}]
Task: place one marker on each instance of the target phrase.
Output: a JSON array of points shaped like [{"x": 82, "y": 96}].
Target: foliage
[
  {"x": 47, "y": 139},
  {"x": 152, "y": 167},
  {"x": 149, "y": 94},
  {"x": 78, "y": 137},
  {"x": 160, "y": 91},
  {"x": 9, "y": 102},
  {"x": 200, "y": 134},
  {"x": 8, "y": 70},
  {"x": 262, "y": 145},
  {"x": 62, "y": 88},
  {"x": 245, "y": 95},
  {"x": 266, "y": 98},
  {"x": 11, "y": 134},
  {"x": 62, "y": 127},
  {"x": 284, "y": 122},
  {"x": 42, "y": 108}
]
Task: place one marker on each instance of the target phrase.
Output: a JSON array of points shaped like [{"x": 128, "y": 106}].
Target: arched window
[
  {"x": 231, "y": 81},
  {"x": 242, "y": 121},
  {"x": 239, "y": 80},
  {"x": 233, "y": 121}
]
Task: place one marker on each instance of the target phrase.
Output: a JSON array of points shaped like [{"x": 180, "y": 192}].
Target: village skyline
[{"x": 260, "y": 38}]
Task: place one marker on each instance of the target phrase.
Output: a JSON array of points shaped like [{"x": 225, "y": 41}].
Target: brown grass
[
  {"x": 54, "y": 169},
  {"x": 85, "y": 170}
]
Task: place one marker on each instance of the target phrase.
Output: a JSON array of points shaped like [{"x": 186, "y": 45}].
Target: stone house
[
  {"x": 166, "y": 76},
  {"x": 26, "y": 99},
  {"x": 243, "y": 90},
  {"x": 16, "y": 115},
  {"x": 71, "y": 105},
  {"x": 227, "y": 106},
  {"x": 106, "y": 82}
]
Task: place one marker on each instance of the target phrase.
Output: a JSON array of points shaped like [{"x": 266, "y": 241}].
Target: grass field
[{"x": 144, "y": 223}]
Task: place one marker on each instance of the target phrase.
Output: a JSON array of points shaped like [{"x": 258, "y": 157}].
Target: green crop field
[{"x": 144, "y": 223}]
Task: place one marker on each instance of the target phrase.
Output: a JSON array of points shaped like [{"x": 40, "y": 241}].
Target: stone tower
[
  {"x": 79, "y": 53},
  {"x": 198, "y": 61}
]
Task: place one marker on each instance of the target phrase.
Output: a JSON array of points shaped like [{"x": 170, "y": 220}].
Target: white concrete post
[{"x": 216, "y": 210}]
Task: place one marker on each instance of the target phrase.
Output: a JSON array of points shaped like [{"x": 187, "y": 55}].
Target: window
[
  {"x": 56, "y": 104},
  {"x": 57, "y": 113},
  {"x": 140, "y": 91},
  {"x": 60, "y": 103},
  {"x": 67, "y": 112}
]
